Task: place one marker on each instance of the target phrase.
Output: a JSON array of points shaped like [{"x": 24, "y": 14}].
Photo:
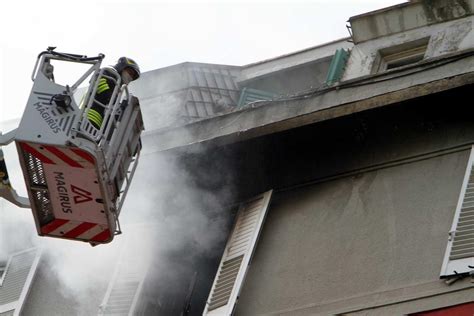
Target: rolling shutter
[
  {"x": 460, "y": 251},
  {"x": 237, "y": 256}
]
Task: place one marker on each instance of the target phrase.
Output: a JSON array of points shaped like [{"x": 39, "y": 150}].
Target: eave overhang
[{"x": 361, "y": 94}]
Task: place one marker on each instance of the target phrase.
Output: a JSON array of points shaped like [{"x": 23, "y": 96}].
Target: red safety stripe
[
  {"x": 101, "y": 237},
  {"x": 84, "y": 155},
  {"x": 52, "y": 226},
  {"x": 36, "y": 153},
  {"x": 79, "y": 230},
  {"x": 63, "y": 156}
]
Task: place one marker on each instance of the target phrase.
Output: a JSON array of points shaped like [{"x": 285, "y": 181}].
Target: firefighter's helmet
[{"x": 124, "y": 63}]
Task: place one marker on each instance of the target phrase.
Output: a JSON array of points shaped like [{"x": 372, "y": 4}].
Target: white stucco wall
[{"x": 447, "y": 37}]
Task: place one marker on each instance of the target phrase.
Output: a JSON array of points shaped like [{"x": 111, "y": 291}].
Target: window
[
  {"x": 459, "y": 256},
  {"x": 400, "y": 55},
  {"x": 126, "y": 285},
  {"x": 16, "y": 279},
  {"x": 237, "y": 256},
  {"x": 3, "y": 267}
]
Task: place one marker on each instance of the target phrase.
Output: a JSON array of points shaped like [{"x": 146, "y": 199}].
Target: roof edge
[
  {"x": 378, "y": 11},
  {"x": 296, "y": 52}
]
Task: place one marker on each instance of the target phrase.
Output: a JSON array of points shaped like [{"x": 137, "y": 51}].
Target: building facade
[
  {"x": 369, "y": 177},
  {"x": 331, "y": 181}
]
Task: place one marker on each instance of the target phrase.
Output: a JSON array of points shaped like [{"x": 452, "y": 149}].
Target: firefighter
[
  {"x": 129, "y": 71},
  {"x": 3, "y": 172}
]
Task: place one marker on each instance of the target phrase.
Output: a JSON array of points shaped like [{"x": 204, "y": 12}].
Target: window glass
[{"x": 400, "y": 55}]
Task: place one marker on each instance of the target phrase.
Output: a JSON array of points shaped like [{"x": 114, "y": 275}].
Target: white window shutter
[
  {"x": 237, "y": 256},
  {"x": 460, "y": 251},
  {"x": 16, "y": 280},
  {"x": 126, "y": 285}
]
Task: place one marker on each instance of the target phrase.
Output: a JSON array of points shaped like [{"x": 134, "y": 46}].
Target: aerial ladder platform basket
[{"x": 76, "y": 175}]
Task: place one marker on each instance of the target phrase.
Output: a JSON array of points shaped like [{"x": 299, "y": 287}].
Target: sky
[{"x": 162, "y": 33}]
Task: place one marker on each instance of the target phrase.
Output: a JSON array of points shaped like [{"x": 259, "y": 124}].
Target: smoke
[
  {"x": 161, "y": 99},
  {"x": 15, "y": 223},
  {"x": 168, "y": 113},
  {"x": 15, "y": 228},
  {"x": 190, "y": 222},
  {"x": 174, "y": 222}
]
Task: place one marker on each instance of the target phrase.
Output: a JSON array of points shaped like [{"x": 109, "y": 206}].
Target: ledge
[{"x": 347, "y": 98}]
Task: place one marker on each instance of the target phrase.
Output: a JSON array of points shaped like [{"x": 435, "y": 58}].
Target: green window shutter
[
  {"x": 249, "y": 95},
  {"x": 337, "y": 67}
]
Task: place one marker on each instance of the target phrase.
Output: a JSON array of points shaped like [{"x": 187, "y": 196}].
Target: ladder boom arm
[
  {"x": 7, "y": 138},
  {"x": 6, "y": 190}
]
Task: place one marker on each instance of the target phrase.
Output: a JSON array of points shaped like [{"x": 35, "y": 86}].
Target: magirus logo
[
  {"x": 82, "y": 195},
  {"x": 78, "y": 195},
  {"x": 57, "y": 118}
]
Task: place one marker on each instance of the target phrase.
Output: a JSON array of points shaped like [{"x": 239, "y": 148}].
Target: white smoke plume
[{"x": 175, "y": 223}]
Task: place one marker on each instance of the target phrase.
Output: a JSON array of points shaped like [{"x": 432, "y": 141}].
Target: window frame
[
  {"x": 237, "y": 256},
  {"x": 401, "y": 55},
  {"x": 451, "y": 267}
]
